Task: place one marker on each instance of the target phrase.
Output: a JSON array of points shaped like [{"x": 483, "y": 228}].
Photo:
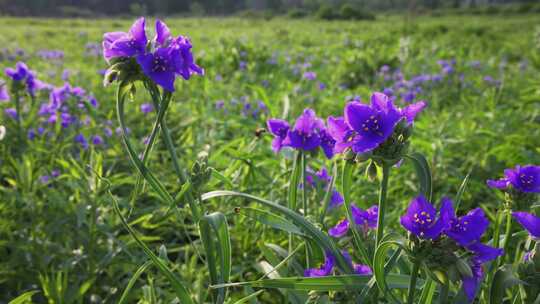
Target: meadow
[{"x": 66, "y": 176}]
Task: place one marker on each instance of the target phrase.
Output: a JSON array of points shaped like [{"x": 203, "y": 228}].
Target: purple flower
[
  {"x": 484, "y": 253},
  {"x": 340, "y": 229},
  {"x": 121, "y": 44},
  {"x": 310, "y": 75},
  {"x": 279, "y": 128},
  {"x": 66, "y": 119},
  {"x": 305, "y": 135},
  {"x": 327, "y": 143},
  {"x": 358, "y": 268},
  {"x": 97, "y": 140},
  {"x": 524, "y": 179},
  {"x": 324, "y": 270},
  {"x": 470, "y": 284},
  {"x": 19, "y": 73},
  {"x": 183, "y": 58},
  {"x": 323, "y": 175},
  {"x": 11, "y": 112},
  {"x": 467, "y": 229},
  {"x": 81, "y": 140},
  {"x": 31, "y": 134},
  {"x": 55, "y": 173},
  {"x": 529, "y": 221},
  {"x": 45, "y": 179},
  {"x": 147, "y": 108},
  {"x": 163, "y": 34},
  {"x": 159, "y": 66},
  {"x": 365, "y": 127},
  {"x": 336, "y": 199},
  {"x": 4, "y": 95},
  {"x": 421, "y": 218},
  {"x": 366, "y": 219}
]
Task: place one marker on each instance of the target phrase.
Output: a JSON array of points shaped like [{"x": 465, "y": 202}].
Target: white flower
[{"x": 2, "y": 132}]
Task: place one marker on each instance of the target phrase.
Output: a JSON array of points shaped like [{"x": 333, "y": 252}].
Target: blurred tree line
[{"x": 89, "y": 8}]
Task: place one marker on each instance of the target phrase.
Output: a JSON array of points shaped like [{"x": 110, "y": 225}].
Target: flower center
[
  {"x": 423, "y": 218},
  {"x": 160, "y": 64},
  {"x": 526, "y": 180},
  {"x": 372, "y": 124}
]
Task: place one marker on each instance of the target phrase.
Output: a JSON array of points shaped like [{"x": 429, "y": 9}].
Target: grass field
[{"x": 60, "y": 235}]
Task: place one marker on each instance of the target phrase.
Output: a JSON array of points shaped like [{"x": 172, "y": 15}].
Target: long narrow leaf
[{"x": 318, "y": 236}]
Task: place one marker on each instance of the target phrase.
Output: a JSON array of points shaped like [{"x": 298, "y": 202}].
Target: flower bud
[
  {"x": 464, "y": 268},
  {"x": 371, "y": 171}
]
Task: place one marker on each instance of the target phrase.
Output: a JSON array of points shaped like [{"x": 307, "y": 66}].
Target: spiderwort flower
[
  {"x": 358, "y": 268},
  {"x": 19, "y": 73},
  {"x": 523, "y": 179},
  {"x": 147, "y": 108},
  {"x": 469, "y": 228},
  {"x": 366, "y": 219},
  {"x": 279, "y": 128},
  {"x": 364, "y": 127},
  {"x": 305, "y": 135},
  {"x": 324, "y": 270},
  {"x": 421, "y": 218},
  {"x": 4, "y": 95},
  {"x": 336, "y": 199},
  {"x": 121, "y": 44},
  {"x": 529, "y": 221}
]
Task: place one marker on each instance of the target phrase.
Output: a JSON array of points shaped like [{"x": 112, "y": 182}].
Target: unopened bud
[{"x": 371, "y": 171}]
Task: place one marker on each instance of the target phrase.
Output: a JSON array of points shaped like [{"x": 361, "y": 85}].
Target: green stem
[
  {"x": 18, "y": 117},
  {"x": 412, "y": 282},
  {"x": 328, "y": 195},
  {"x": 304, "y": 199},
  {"x": 507, "y": 232},
  {"x": 382, "y": 203},
  {"x": 293, "y": 190},
  {"x": 445, "y": 289},
  {"x": 346, "y": 191}
]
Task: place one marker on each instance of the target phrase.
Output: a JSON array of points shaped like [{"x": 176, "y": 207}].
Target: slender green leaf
[
  {"x": 317, "y": 235},
  {"x": 423, "y": 172},
  {"x": 180, "y": 290},
  {"x": 270, "y": 219},
  {"x": 248, "y": 298},
  {"x": 504, "y": 278},
  {"x": 132, "y": 281},
  {"x": 24, "y": 298},
  {"x": 215, "y": 225}
]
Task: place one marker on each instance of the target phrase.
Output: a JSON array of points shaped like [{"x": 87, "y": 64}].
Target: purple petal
[
  {"x": 163, "y": 34},
  {"x": 278, "y": 127},
  {"x": 412, "y": 110},
  {"x": 529, "y": 221},
  {"x": 498, "y": 184},
  {"x": 340, "y": 229}
]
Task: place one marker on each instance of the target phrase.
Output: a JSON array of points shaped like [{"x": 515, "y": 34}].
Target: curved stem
[
  {"x": 293, "y": 190},
  {"x": 304, "y": 199},
  {"x": 382, "y": 203},
  {"x": 412, "y": 282}
]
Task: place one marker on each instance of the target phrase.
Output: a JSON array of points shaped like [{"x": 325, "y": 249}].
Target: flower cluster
[
  {"x": 328, "y": 266},
  {"x": 521, "y": 178},
  {"x": 365, "y": 128},
  {"x": 162, "y": 59},
  {"x": 365, "y": 219},
  {"x": 308, "y": 134},
  {"x": 23, "y": 77},
  {"x": 445, "y": 235}
]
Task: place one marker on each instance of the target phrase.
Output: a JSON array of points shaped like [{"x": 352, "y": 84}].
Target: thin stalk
[
  {"x": 304, "y": 199},
  {"x": 507, "y": 232},
  {"x": 382, "y": 203},
  {"x": 18, "y": 118},
  {"x": 293, "y": 190},
  {"x": 346, "y": 190},
  {"x": 445, "y": 289},
  {"x": 412, "y": 282},
  {"x": 328, "y": 195}
]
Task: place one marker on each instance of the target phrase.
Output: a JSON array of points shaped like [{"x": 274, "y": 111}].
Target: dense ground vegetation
[{"x": 59, "y": 234}]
